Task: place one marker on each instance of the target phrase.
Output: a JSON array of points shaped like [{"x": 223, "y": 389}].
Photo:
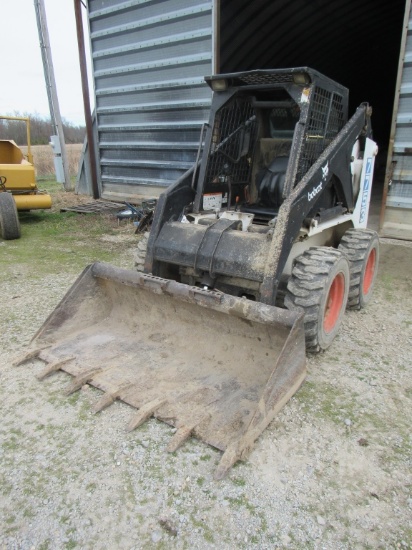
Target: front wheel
[{"x": 319, "y": 285}]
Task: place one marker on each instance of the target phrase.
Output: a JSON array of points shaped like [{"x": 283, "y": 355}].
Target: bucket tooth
[
  {"x": 53, "y": 367},
  {"x": 145, "y": 412},
  {"x": 81, "y": 380},
  {"x": 108, "y": 399},
  {"x": 179, "y": 438},
  {"x": 104, "y": 402},
  {"x": 232, "y": 454},
  {"x": 183, "y": 433},
  {"x": 27, "y": 356}
]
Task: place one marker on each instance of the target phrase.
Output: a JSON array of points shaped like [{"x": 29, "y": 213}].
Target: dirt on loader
[{"x": 332, "y": 470}]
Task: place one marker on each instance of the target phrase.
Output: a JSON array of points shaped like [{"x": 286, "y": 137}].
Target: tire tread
[
  {"x": 306, "y": 288},
  {"x": 355, "y": 244}
]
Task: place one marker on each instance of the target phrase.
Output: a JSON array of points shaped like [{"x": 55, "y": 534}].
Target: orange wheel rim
[
  {"x": 369, "y": 271},
  {"x": 334, "y": 302}
]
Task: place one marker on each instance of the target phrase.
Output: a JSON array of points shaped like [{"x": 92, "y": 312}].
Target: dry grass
[{"x": 43, "y": 159}]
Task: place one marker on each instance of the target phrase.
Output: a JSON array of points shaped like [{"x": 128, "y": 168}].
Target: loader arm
[
  {"x": 332, "y": 162},
  {"x": 169, "y": 207}
]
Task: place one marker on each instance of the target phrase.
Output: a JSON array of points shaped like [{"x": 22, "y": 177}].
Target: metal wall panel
[
  {"x": 149, "y": 59},
  {"x": 397, "y": 207}
]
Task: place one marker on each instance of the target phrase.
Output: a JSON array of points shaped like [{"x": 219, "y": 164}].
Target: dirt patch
[
  {"x": 63, "y": 199},
  {"x": 332, "y": 471}
]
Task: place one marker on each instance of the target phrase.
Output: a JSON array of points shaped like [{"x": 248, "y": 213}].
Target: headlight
[
  {"x": 301, "y": 79},
  {"x": 219, "y": 85}
]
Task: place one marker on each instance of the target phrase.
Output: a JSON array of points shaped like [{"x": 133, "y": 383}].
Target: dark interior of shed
[{"x": 355, "y": 43}]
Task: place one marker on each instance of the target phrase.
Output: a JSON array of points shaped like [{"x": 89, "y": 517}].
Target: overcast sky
[{"x": 22, "y": 85}]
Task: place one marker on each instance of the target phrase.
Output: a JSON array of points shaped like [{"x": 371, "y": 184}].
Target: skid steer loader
[{"x": 252, "y": 258}]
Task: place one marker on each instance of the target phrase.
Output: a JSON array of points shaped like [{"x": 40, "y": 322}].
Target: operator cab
[
  {"x": 266, "y": 131},
  {"x": 251, "y": 143},
  {"x": 271, "y": 159}
]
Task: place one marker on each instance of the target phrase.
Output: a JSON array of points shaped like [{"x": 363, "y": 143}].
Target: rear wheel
[
  {"x": 361, "y": 246},
  {"x": 319, "y": 285},
  {"x": 9, "y": 218}
]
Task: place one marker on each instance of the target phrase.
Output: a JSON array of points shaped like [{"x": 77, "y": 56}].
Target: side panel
[
  {"x": 149, "y": 59},
  {"x": 361, "y": 211},
  {"x": 396, "y": 217}
]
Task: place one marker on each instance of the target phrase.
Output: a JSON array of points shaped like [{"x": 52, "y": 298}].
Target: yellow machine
[{"x": 18, "y": 188}]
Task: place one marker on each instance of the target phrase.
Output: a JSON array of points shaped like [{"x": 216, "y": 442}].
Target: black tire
[
  {"x": 361, "y": 247},
  {"x": 140, "y": 254},
  {"x": 319, "y": 284},
  {"x": 9, "y": 218}
]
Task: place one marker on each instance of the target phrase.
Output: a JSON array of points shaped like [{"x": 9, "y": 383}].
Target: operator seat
[{"x": 270, "y": 182}]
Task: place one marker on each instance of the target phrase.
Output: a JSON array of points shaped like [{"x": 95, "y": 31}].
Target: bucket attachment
[{"x": 212, "y": 365}]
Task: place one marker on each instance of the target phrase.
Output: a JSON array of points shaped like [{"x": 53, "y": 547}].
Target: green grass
[
  {"x": 205, "y": 458},
  {"x": 239, "y": 481},
  {"x": 54, "y": 241},
  {"x": 334, "y": 403},
  {"x": 328, "y": 401}
]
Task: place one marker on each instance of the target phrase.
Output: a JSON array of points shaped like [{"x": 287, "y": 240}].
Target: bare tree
[{"x": 41, "y": 130}]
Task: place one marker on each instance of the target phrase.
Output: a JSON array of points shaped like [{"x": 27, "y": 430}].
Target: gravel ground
[{"x": 332, "y": 471}]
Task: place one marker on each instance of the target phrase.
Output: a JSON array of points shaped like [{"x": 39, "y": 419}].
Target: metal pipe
[
  {"x": 32, "y": 201},
  {"x": 202, "y": 133},
  {"x": 86, "y": 98},
  {"x": 29, "y": 155}
]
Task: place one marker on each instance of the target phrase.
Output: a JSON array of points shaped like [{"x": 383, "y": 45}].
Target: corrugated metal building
[
  {"x": 396, "y": 217},
  {"x": 149, "y": 58}
]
